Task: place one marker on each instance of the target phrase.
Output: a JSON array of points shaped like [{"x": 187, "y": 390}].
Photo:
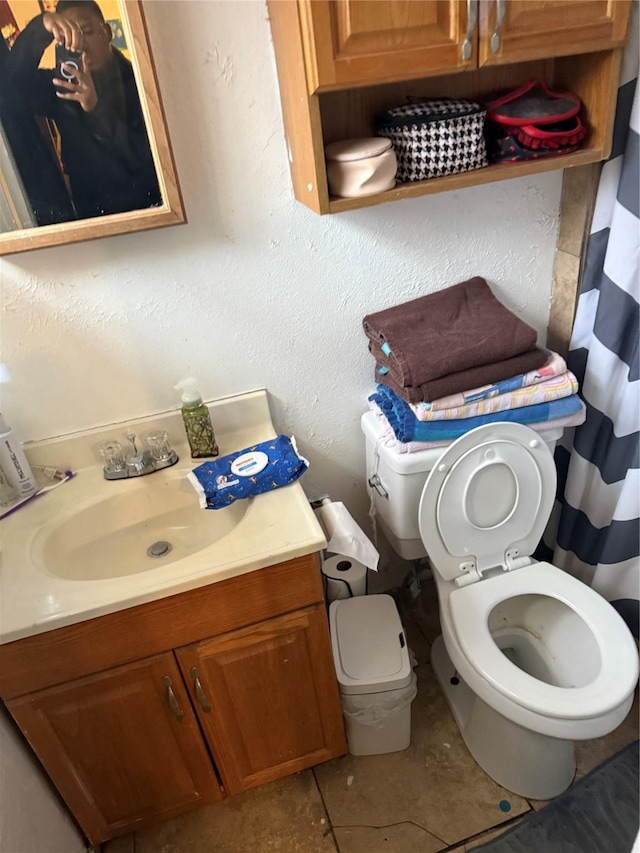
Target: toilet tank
[{"x": 396, "y": 493}]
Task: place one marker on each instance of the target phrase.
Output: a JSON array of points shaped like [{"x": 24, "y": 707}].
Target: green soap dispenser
[{"x": 197, "y": 421}]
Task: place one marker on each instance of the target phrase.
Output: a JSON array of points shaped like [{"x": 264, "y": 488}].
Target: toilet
[{"x": 530, "y": 659}]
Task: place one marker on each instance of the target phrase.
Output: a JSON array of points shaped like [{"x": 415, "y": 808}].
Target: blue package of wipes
[{"x": 252, "y": 471}]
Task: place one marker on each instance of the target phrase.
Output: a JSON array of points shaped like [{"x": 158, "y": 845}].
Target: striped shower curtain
[{"x": 595, "y": 532}]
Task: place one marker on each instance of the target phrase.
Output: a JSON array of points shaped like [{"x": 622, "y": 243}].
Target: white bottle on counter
[
  {"x": 14, "y": 463},
  {"x": 8, "y": 494}
]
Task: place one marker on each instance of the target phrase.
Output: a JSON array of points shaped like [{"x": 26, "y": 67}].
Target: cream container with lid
[{"x": 358, "y": 167}]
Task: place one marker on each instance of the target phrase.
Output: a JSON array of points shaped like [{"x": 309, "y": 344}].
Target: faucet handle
[
  {"x": 115, "y": 466},
  {"x": 160, "y": 450},
  {"x": 158, "y": 441},
  {"x": 111, "y": 452}
]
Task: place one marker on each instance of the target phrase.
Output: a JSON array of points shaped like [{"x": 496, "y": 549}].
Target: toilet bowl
[{"x": 530, "y": 658}]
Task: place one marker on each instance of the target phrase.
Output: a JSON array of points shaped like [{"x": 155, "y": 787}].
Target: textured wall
[{"x": 256, "y": 290}]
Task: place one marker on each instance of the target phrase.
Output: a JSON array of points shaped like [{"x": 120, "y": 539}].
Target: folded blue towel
[
  {"x": 407, "y": 427},
  {"x": 252, "y": 471}
]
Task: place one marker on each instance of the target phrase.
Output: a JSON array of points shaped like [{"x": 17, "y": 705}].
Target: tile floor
[{"x": 431, "y": 797}]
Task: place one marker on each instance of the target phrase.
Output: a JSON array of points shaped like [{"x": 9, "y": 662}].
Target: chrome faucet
[{"x": 119, "y": 466}]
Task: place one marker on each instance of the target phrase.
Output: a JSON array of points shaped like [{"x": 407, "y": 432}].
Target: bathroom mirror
[{"x": 42, "y": 201}]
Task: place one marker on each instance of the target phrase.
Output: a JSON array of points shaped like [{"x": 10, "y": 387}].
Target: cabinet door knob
[
  {"x": 200, "y": 694},
  {"x": 472, "y": 19},
  {"x": 501, "y": 6},
  {"x": 171, "y": 697}
]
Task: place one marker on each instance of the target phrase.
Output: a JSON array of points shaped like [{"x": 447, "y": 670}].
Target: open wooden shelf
[{"x": 488, "y": 175}]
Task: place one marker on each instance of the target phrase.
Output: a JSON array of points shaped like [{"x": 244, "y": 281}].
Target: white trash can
[{"x": 377, "y": 683}]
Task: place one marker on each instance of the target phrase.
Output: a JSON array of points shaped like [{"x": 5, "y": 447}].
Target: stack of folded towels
[{"x": 458, "y": 358}]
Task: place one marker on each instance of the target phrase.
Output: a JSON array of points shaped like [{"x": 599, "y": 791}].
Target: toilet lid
[{"x": 487, "y": 500}]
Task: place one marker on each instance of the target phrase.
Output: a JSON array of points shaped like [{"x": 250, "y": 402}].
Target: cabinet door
[
  {"x": 518, "y": 30},
  {"x": 267, "y": 698},
  {"x": 119, "y": 747},
  {"x": 363, "y": 42}
]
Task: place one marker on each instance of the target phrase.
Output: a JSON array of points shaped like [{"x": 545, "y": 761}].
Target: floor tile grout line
[
  {"x": 470, "y": 839},
  {"x": 326, "y": 811},
  {"x": 477, "y": 837},
  {"x": 391, "y": 825}
]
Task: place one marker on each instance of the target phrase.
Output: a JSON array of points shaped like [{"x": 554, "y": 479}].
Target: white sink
[
  {"x": 80, "y": 551},
  {"x": 122, "y": 533}
]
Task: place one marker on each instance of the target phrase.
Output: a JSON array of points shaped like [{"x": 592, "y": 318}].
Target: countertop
[{"x": 275, "y": 526}]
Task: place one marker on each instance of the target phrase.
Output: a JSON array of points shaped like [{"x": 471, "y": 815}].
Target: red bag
[{"x": 533, "y": 121}]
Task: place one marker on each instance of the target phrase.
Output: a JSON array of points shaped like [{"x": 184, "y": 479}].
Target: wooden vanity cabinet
[
  {"x": 143, "y": 714},
  {"x": 266, "y": 705},
  {"x": 114, "y": 748},
  {"x": 341, "y": 61}
]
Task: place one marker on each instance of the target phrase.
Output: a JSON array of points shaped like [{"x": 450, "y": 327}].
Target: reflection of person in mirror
[{"x": 104, "y": 146}]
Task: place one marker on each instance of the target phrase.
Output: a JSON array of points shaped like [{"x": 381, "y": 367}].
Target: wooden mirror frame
[{"x": 171, "y": 212}]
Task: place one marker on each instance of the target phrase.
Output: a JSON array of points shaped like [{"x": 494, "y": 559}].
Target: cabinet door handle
[
  {"x": 173, "y": 702},
  {"x": 501, "y": 6},
  {"x": 472, "y": 20},
  {"x": 200, "y": 694}
]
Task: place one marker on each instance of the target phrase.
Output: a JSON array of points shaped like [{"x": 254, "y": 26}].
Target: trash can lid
[{"x": 369, "y": 646}]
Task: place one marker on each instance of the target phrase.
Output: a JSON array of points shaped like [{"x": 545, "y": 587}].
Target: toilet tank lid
[
  {"x": 369, "y": 645},
  {"x": 420, "y": 461}
]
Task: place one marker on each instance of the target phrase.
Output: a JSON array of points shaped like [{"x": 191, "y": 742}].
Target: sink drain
[{"x": 159, "y": 548}]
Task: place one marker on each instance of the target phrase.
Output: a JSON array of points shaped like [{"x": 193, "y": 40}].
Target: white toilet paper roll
[{"x": 346, "y": 578}]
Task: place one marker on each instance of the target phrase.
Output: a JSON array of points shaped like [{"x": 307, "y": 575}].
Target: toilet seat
[
  {"x": 487, "y": 501},
  {"x": 482, "y": 512},
  {"x": 470, "y": 607}
]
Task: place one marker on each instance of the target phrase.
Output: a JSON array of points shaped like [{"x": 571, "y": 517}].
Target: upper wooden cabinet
[
  {"x": 518, "y": 30},
  {"x": 342, "y": 61},
  {"x": 355, "y": 42},
  {"x": 362, "y": 42}
]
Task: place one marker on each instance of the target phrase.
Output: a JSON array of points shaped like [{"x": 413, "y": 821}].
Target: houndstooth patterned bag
[{"x": 435, "y": 138}]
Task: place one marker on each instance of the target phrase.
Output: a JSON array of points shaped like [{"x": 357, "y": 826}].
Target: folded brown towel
[
  {"x": 454, "y": 329},
  {"x": 463, "y": 380}
]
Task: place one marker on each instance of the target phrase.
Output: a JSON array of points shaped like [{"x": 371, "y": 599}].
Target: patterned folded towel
[
  {"x": 554, "y": 366},
  {"x": 543, "y": 392},
  {"x": 454, "y": 383},
  {"x": 407, "y": 427},
  {"x": 454, "y": 329},
  {"x": 388, "y": 438}
]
